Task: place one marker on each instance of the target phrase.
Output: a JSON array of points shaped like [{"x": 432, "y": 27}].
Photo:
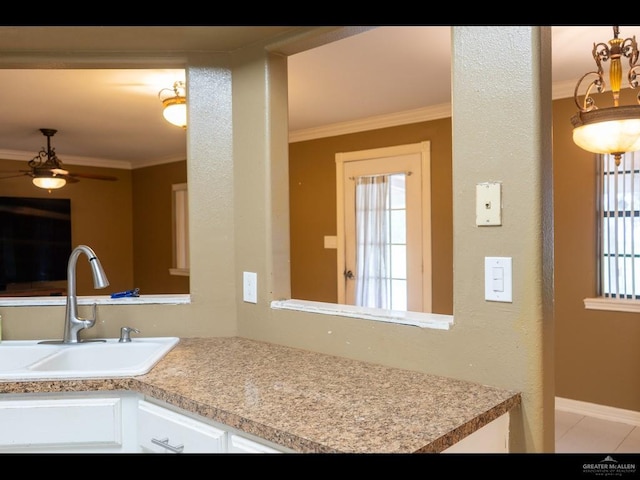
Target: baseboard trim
[{"x": 604, "y": 412}]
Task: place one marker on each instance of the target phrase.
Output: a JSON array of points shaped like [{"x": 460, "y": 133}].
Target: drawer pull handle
[{"x": 165, "y": 443}]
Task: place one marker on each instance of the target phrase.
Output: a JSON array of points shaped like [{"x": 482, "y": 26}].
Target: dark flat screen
[{"x": 35, "y": 239}]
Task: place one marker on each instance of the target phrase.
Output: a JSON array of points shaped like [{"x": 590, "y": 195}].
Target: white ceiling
[{"x": 112, "y": 117}]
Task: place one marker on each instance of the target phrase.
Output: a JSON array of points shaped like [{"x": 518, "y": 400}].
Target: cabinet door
[
  {"x": 61, "y": 423},
  {"x": 238, "y": 444},
  {"x": 161, "y": 430}
]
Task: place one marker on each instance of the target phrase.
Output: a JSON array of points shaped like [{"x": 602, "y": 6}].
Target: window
[
  {"x": 619, "y": 239},
  {"x": 180, "y": 205}
]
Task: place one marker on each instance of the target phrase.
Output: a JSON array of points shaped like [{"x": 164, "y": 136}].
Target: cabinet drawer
[
  {"x": 162, "y": 430},
  {"x": 61, "y": 422}
]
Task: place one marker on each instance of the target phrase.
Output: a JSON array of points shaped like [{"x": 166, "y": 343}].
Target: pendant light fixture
[
  {"x": 614, "y": 130},
  {"x": 174, "y": 104}
]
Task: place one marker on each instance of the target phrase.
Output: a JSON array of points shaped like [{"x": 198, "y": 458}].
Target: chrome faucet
[{"x": 72, "y": 323}]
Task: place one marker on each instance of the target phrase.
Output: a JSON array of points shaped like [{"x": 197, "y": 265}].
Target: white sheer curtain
[{"x": 372, "y": 239}]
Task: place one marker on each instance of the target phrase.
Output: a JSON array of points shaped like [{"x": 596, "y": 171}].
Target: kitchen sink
[
  {"x": 30, "y": 360},
  {"x": 17, "y": 355}
]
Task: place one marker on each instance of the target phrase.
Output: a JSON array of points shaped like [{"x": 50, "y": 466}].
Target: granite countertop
[{"x": 307, "y": 401}]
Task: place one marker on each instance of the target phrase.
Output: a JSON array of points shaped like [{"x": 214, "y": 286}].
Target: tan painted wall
[
  {"x": 152, "y": 224},
  {"x": 312, "y": 199},
  {"x": 597, "y": 355}
]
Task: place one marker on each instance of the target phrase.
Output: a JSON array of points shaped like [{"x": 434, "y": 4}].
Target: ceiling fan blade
[
  {"x": 70, "y": 179},
  {"x": 14, "y": 175},
  {"x": 93, "y": 176}
]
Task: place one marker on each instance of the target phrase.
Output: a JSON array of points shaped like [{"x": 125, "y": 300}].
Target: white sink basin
[
  {"x": 19, "y": 354},
  {"x": 30, "y": 360}
]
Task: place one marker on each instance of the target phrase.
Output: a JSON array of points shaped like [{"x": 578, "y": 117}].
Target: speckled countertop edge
[{"x": 307, "y": 401}]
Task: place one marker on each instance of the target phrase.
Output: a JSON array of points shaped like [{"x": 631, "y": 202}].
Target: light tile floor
[{"x": 576, "y": 433}]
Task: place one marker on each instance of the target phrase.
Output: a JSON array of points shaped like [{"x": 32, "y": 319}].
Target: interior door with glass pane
[{"x": 389, "y": 263}]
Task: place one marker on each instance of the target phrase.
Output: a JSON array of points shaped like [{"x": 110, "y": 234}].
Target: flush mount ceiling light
[
  {"x": 174, "y": 103},
  {"x": 613, "y": 130}
]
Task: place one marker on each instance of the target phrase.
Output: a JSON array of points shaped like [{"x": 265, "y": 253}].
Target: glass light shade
[
  {"x": 175, "y": 111},
  {"x": 614, "y": 130},
  {"x": 48, "y": 182}
]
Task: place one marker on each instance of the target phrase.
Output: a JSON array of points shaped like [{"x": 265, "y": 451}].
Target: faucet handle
[
  {"x": 125, "y": 332},
  {"x": 90, "y": 322}
]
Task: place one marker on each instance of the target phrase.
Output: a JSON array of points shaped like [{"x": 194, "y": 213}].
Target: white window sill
[
  {"x": 417, "y": 319},
  {"x": 169, "y": 299},
  {"x": 612, "y": 304}
]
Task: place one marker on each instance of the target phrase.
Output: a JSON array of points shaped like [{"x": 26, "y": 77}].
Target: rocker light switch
[{"x": 497, "y": 279}]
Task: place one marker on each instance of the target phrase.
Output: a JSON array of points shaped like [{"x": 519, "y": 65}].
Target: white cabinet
[
  {"x": 161, "y": 430},
  {"x": 164, "y": 428},
  {"x": 113, "y": 422},
  {"x": 69, "y": 422}
]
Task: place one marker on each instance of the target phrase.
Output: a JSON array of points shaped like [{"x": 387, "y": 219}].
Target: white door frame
[{"x": 422, "y": 148}]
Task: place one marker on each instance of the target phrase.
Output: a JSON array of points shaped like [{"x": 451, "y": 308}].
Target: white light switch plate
[
  {"x": 250, "y": 287},
  {"x": 498, "y": 279}
]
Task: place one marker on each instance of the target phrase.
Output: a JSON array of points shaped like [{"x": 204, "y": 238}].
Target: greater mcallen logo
[{"x": 609, "y": 467}]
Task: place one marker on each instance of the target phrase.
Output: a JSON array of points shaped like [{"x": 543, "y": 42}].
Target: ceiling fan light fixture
[
  {"x": 614, "y": 130},
  {"x": 174, "y": 107},
  {"x": 46, "y": 167},
  {"x": 49, "y": 182}
]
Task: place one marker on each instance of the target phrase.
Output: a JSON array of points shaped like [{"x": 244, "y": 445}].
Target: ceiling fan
[{"x": 47, "y": 171}]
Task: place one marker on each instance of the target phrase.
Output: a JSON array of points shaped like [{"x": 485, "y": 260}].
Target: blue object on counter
[{"x": 127, "y": 293}]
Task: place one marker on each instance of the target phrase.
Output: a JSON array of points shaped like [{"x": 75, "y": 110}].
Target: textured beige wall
[
  {"x": 502, "y": 132},
  {"x": 238, "y": 193},
  {"x": 499, "y": 344}
]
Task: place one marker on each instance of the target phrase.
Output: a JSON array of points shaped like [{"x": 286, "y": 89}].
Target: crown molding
[
  {"x": 436, "y": 112},
  {"x": 563, "y": 89}
]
